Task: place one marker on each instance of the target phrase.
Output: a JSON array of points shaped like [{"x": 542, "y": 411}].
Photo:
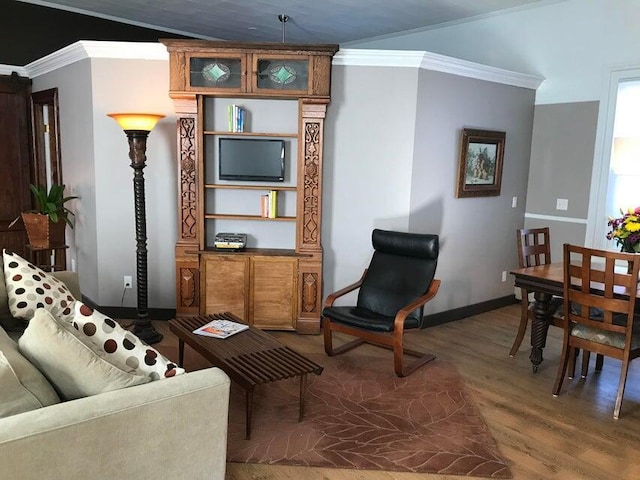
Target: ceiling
[{"x": 318, "y": 21}]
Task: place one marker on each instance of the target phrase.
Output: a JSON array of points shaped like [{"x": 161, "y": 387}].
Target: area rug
[{"x": 360, "y": 415}]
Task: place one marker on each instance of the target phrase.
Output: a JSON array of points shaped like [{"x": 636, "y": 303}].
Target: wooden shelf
[
  {"x": 272, "y": 289},
  {"x": 279, "y": 252},
  {"x": 250, "y": 187},
  {"x": 221, "y": 216},
  {"x": 250, "y": 134}
]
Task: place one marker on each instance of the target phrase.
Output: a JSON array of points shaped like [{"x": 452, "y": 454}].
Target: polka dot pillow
[
  {"x": 29, "y": 288},
  {"x": 121, "y": 347}
]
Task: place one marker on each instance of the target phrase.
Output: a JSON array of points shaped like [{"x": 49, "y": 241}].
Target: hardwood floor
[{"x": 573, "y": 436}]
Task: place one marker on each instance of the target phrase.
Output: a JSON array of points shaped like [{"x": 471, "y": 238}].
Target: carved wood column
[
  {"x": 187, "y": 259},
  {"x": 309, "y": 205}
]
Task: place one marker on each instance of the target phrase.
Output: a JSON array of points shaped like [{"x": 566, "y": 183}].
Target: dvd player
[{"x": 230, "y": 241}]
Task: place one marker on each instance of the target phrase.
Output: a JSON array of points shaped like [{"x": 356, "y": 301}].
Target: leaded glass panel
[
  {"x": 283, "y": 74},
  {"x": 215, "y": 72}
]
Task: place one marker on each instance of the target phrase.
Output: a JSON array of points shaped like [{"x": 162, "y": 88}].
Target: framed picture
[{"x": 480, "y": 167}]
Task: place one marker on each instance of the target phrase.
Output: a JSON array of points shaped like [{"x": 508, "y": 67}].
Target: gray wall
[
  {"x": 477, "y": 234},
  {"x": 561, "y": 162},
  {"x": 369, "y": 136},
  {"x": 577, "y": 46},
  {"x": 75, "y": 96},
  {"x": 95, "y": 166}
]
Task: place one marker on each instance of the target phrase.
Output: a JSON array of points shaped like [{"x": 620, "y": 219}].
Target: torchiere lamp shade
[{"x": 136, "y": 121}]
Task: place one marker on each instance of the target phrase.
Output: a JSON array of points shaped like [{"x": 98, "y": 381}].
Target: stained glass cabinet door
[
  {"x": 281, "y": 75},
  {"x": 217, "y": 73}
]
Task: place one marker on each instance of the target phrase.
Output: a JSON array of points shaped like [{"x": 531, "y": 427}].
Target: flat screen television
[{"x": 251, "y": 159}]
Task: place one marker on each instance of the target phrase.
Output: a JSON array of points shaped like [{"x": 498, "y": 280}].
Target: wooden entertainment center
[{"x": 276, "y": 282}]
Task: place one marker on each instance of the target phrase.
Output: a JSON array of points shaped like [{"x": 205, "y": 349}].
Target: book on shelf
[
  {"x": 269, "y": 204},
  {"x": 220, "y": 328},
  {"x": 236, "y": 116},
  {"x": 273, "y": 204}
]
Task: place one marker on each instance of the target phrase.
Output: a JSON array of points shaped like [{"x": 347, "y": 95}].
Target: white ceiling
[{"x": 310, "y": 21}]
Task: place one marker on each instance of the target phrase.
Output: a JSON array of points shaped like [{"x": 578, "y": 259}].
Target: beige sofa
[{"x": 174, "y": 428}]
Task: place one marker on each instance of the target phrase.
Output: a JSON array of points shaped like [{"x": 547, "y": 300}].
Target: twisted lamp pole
[{"x": 137, "y": 127}]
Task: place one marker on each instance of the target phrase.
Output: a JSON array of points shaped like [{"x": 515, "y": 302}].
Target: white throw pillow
[
  {"x": 74, "y": 366},
  {"x": 121, "y": 346},
  {"x": 29, "y": 288}
]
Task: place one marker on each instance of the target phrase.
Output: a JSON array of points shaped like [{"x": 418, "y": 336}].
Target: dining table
[{"x": 544, "y": 281}]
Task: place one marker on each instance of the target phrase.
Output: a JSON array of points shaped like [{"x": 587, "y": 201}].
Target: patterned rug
[{"x": 359, "y": 415}]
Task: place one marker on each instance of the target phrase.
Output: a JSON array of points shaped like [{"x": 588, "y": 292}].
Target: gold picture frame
[{"x": 480, "y": 166}]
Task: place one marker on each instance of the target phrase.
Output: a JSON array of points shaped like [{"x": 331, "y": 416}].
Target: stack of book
[
  {"x": 269, "y": 204},
  {"x": 236, "y": 115}
]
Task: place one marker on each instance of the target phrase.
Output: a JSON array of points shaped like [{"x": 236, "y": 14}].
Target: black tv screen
[{"x": 251, "y": 159}]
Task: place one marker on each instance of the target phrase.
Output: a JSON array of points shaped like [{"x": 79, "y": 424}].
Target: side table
[{"x": 41, "y": 257}]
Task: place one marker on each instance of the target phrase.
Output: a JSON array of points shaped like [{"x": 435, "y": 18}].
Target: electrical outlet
[
  {"x": 504, "y": 275},
  {"x": 128, "y": 283},
  {"x": 514, "y": 202}
]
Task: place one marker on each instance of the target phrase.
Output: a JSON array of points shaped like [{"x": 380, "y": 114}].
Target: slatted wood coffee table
[{"x": 250, "y": 358}]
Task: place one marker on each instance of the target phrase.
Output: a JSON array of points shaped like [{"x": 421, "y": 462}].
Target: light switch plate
[{"x": 562, "y": 204}]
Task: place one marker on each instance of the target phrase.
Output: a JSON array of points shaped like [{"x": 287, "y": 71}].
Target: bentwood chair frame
[
  {"x": 392, "y": 294},
  {"x": 599, "y": 309}
]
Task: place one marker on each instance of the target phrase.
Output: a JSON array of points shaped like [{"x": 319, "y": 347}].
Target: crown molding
[
  {"x": 465, "y": 68},
  {"x": 9, "y": 69},
  {"x": 434, "y": 62},
  {"x": 95, "y": 49},
  {"x": 378, "y": 58},
  {"x": 351, "y": 56}
]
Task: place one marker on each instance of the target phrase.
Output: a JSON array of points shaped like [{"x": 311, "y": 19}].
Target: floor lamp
[{"x": 137, "y": 127}]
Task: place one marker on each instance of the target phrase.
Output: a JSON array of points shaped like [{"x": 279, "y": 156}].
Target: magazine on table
[{"x": 220, "y": 328}]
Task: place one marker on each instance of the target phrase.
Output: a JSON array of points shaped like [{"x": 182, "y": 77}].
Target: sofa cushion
[
  {"x": 20, "y": 379},
  {"x": 29, "y": 288},
  {"x": 14, "y": 397},
  {"x": 74, "y": 366},
  {"x": 121, "y": 346}
]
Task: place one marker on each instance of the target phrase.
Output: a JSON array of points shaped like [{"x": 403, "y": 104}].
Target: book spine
[
  {"x": 264, "y": 206},
  {"x": 230, "y": 117},
  {"x": 273, "y": 203},
  {"x": 241, "y": 119},
  {"x": 235, "y": 118}
]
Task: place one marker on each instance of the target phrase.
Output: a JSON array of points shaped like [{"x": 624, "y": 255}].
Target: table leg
[
  {"x": 539, "y": 327},
  {"x": 181, "y": 352},
  {"x": 303, "y": 389},
  {"x": 249, "y": 408}
]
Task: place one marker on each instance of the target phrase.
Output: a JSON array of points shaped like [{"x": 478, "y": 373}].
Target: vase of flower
[{"x": 625, "y": 231}]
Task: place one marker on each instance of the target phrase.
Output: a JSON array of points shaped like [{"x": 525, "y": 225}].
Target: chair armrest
[
  {"x": 343, "y": 291},
  {"x": 171, "y": 428},
  {"x": 418, "y": 302}
]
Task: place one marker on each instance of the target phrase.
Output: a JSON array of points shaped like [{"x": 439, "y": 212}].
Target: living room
[{"x": 396, "y": 171}]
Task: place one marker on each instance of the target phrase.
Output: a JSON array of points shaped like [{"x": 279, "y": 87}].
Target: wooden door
[
  {"x": 226, "y": 284},
  {"x": 273, "y": 292},
  {"x": 15, "y": 160}
]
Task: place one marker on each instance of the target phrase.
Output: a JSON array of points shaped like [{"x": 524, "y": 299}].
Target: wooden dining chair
[
  {"x": 533, "y": 250},
  {"x": 599, "y": 305}
]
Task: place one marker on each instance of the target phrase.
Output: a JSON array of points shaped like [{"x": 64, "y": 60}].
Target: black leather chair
[{"x": 393, "y": 292}]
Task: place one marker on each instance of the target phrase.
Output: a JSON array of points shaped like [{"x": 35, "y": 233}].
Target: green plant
[{"x": 52, "y": 203}]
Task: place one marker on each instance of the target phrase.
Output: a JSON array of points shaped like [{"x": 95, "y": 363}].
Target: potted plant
[{"x": 46, "y": 223}]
